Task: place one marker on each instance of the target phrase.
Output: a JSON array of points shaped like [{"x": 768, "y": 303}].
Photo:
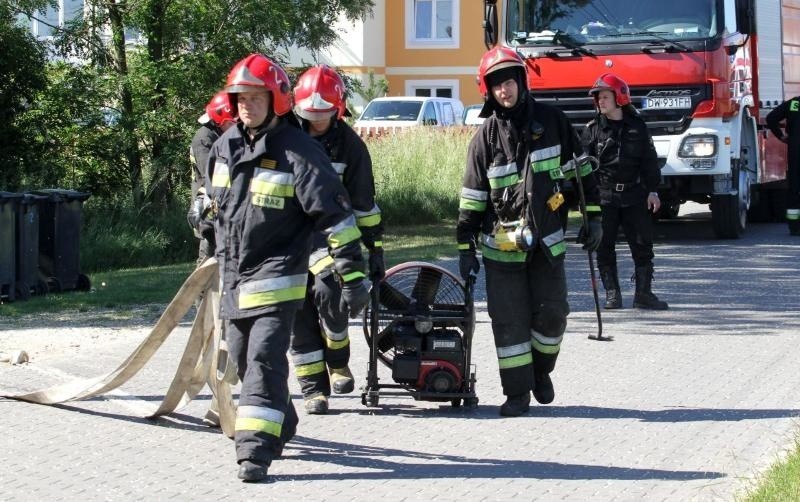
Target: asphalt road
[{"x": 687, "y": 404}]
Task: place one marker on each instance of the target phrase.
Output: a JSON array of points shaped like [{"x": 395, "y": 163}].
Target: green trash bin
[
  {"x": 28, "y": 277},
  {"x": 59, "y": 239},
  {"x": 8, "y": 244}
]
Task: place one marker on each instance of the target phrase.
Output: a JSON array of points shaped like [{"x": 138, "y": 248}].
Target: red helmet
[
  {"x": 495, "y": 59},
  {"x": 258, "y": 71},
  {"x": 219, "y": 110},
  {"x": 319, "y": 94},
  {"x": 611, "y": 82}
]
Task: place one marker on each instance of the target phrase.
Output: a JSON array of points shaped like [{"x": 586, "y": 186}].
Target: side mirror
[
  {"x": 745, "y": 16},
  {"x": 490, "y": 23}
]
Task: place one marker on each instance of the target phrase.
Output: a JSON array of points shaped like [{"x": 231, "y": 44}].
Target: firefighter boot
[
  {"x": 252, "y": 472},
  {"x": 644, "y": 297},
  {"x": 543, "y": 390},
  {"x": 316, "y": 405},
  {"x": 342, "y": 380},
  {"x": 516, "y": 405},
  {"x": 611, "y": 283}
]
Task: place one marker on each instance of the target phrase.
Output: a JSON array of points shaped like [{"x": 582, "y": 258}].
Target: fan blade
[
  {"x": 426, "y": 286},
  {"x": 385, "y": 341},
  {"x": 391, "y": 298}
]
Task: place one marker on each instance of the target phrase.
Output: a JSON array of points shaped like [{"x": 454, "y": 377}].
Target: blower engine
[{"x": 422, "y": 320}]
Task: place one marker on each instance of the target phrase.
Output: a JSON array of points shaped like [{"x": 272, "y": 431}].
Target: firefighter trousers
[
  {"x": 265, "y": 417},
  {"x": 320, "y": 339},
  {"x": 637, "y": 224},
  {"x": 528, "y": 307}
]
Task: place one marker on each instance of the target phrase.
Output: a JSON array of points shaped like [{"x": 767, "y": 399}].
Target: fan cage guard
[{"x": 419, "y": 291}]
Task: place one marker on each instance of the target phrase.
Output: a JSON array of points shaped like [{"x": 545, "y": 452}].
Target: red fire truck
[{"x": 703, "y": 73}]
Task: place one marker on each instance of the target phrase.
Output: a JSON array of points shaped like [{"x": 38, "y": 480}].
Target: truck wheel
[{"x": 729, "y": 211}]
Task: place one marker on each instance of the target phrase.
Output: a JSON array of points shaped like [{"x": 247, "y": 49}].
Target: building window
[
  {"x": 49, "y": 20},
  {"x": 432, "y": 23},
  {"x": 432, "y": 88}
]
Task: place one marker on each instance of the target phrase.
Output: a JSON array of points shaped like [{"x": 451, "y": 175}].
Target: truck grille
[{"x": 579, "y": 107}]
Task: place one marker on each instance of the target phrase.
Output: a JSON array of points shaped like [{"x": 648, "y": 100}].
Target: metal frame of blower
[{"x": 465, "y": 320}]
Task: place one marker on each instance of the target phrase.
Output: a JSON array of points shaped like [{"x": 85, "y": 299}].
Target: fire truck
[{"x": 703, "y": 74}]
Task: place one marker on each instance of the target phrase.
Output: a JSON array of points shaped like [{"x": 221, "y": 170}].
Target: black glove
[
  {"x": 468, "y": 264},
  {"x": 206, "y": 230},
  {"x": 194, "y": 216},
  {"x": 590, "y": 238},
  {"x": 355, "y": 297},
  {"x": 377, "y": 268}
]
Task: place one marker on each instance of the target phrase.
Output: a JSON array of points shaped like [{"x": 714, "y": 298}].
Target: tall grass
[
  {"x": 126, "y": 237},
  {"x": 417, "y": 179},
  {"x": 418, "y": 174}
]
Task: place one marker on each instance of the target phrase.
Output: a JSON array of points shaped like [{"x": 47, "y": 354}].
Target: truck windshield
[
  {"x": 391, "y": 110},
  {"x": 583, "y": 22}
]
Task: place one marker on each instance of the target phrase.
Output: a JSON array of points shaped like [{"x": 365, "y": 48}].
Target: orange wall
[{"x": 469, "y": 53}]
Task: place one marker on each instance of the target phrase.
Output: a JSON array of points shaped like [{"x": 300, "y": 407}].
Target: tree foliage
[
  {"x": 119, "y": 124},
  {"x": 22, "y": 75}
]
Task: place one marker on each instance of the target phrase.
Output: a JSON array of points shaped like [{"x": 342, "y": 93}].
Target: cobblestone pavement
[{"x": 687, "y": 404}]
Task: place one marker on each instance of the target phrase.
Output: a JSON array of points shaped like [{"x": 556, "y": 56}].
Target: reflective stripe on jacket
[{"x": 270, "y": 194}]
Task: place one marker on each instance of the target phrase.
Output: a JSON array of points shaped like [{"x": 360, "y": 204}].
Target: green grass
[
  {"x": 781, "y": 483},
  {"x": 126, "y": 290},
  {"x": 120, "y": 290}
]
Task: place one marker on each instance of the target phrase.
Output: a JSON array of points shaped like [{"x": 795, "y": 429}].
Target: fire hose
[{"x": 204, "y": 360}]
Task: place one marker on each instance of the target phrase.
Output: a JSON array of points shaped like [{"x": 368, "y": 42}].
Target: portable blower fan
[{"x": 419, "y": 324}]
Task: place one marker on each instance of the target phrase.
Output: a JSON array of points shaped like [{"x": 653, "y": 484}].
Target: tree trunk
[{"x": 131, "y": 144}]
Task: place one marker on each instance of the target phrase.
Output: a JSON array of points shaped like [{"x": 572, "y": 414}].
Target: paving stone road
[{"x": 687, "y": 404}]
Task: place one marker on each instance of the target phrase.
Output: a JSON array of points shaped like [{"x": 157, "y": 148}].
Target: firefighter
[
  {"x": 511, "y": 203},
  {"x": 218, "y": 118},
  {"x": 272, "y": 188},
  {"x": 627, "y": 176},
  {"x": 789, "y": 111},
  {"x": 320, "y": 345}
]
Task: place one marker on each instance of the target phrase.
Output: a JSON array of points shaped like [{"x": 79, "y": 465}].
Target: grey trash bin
[
  {"x": 8, "y": 244},
  {"x": 59, "y": 239},
  {"x": 29, "y": 279}
]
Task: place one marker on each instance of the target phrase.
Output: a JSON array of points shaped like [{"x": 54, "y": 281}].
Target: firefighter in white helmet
[{"x": 320, "y": 346}]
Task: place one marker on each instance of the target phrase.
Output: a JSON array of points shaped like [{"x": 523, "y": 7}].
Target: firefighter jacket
[
  {"x": 789, "y": 111},
  {"x": 269, "y": 194},
  {"x": 628, "y": 168},
  {"x": 512, "y": 172},
  {"x": 202, "y": 141},
  {"x": 352, "y": 163}
]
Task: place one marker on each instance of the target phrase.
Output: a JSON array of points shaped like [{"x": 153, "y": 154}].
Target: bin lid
[
  {"x": 60, "y": 193},
  {"x": 9, "y": 197},
  {"x": 29, "y": 198}
]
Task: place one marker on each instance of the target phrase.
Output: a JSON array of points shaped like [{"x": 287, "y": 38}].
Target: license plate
[{"x": 667, "y": 103}]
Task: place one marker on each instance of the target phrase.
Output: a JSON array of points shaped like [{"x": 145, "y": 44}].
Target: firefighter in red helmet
[
  {"x": 272, "y": 188},
  {"x": 320, "y": 347},
  {"x": 510, "y": 206},
  {"x": 628, "y": 176},
  {"x": 218, "y": 118}
]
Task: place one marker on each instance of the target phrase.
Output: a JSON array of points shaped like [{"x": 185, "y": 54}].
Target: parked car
[
  {"x": 471, "y": 115},
  {"x": 401, "y": 112}
]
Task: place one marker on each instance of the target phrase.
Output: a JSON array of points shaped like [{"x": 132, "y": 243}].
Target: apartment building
[{"x": 421, "y": 48}]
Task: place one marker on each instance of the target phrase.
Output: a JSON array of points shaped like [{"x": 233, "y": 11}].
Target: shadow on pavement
[{"x": 376, "y": 464}]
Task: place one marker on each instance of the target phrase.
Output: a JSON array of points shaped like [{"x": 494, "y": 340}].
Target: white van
[{"x": 400, "y": 112}]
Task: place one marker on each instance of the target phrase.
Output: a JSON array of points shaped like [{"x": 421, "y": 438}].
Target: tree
[
  {"x": 22, "y": 75},
  {"x": 160, "y": 80}
]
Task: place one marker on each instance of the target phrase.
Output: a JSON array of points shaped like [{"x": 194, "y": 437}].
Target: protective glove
[
  {"x": 206, "y": 230},
  {"x": 355, "y": 297},
  {"x": 194, "y": 216},
  {"x": 468, "y": 264},
  {"x": 590, "y": 237},
  {"x": 377, "y": 268}
]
